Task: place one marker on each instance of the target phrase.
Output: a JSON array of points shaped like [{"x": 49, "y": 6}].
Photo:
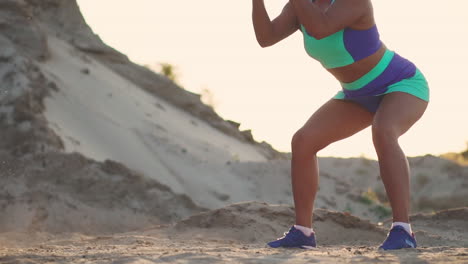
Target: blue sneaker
[
  {"x": 398, "y": 238},
  {"x": 294, "y": 238}
]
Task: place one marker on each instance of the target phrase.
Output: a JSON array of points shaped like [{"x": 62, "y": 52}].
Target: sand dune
[{"x": 104, "y": 116}]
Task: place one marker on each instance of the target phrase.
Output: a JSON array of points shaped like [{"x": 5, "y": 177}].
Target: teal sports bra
[{"x": 343, "y": 47}]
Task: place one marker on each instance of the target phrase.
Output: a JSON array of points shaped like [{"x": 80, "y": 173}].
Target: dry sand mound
[
  {"x": 58, "y": 192},
  {"x": 436, "y": 183},
  {"x": 254, "y": 222},
  {"x": 443, "y": 228}
]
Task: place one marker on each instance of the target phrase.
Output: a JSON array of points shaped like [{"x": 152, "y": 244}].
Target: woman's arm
[
  {"x": 270, "y": 32},
  {"x": 340, "y": 15}
]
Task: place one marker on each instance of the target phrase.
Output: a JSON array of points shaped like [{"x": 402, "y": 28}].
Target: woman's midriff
[{"x": 351, "y": 73}]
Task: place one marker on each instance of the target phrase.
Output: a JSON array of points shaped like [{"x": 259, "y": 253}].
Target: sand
[
  {"x": 237, "y": 234},
  {"x": 142, "y": 248}
]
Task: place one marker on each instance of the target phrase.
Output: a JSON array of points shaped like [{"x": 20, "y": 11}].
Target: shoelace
[
  {"x": 285, "y": 234},
  {"x": 290, "y": 237}
]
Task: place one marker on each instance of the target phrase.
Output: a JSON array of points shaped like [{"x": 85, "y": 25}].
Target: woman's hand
[{"x": 270, "y": 32}]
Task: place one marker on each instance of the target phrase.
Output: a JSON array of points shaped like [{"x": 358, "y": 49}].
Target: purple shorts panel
[
  {"x": 398, "y": 69},
  {"x": 370, "y": 103}
]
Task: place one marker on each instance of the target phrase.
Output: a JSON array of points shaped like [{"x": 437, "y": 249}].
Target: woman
[{"x": 379, "y": 88}]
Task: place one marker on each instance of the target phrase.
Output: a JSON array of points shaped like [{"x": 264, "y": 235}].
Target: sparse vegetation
[
  {"x": 450, "y": 167},
  {"x": 371, "y": 199},
  {"x": 208, "y": 98},
  {"x": 365, "y": 200},
  {"x": 367, "y": 162},
  {"x": 361, "y": 171},
  {"x": 422, "y": 180},
  {"x": 166, "y": 69},
  {"x": 381, "y": 211},
  {"x": 465, "y": 153},
  {"x": 169, "y": 71},
  {"x": 381, "y": 194},
  {"x": 460, "y": 158}
]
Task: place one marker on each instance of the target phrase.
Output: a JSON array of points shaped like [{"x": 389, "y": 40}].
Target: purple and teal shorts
[{"x": 392, "y": 73}]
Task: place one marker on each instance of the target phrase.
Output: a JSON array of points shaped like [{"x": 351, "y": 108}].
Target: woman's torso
[{"x": 354, "y": 71}]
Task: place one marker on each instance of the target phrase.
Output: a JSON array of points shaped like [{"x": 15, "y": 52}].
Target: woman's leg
[
  {"x": 396, "y": 114},
  {"x": 335, "y": 120}
]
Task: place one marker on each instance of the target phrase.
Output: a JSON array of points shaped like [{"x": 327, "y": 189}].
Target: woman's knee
[
  {"x": 306, "y": 142},
  {"x": 384, "y": 134}
]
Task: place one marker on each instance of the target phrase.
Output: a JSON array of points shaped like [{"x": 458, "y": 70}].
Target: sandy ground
[
  {"x": 237, "y": 234},
  {"x": 145, "y": 248}
]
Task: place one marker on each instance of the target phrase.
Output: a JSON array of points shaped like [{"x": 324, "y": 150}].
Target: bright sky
[{"x": 273, "y": 91}]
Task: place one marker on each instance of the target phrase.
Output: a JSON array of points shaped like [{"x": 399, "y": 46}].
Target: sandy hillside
[{"x": 103, "y": 160}]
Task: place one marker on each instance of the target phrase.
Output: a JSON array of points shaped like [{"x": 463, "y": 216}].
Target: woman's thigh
[
  {"x": 335, "y": 120},
  {"x": 397, "y": 113}
]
